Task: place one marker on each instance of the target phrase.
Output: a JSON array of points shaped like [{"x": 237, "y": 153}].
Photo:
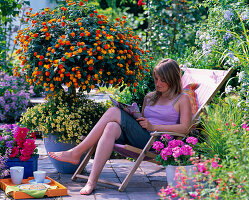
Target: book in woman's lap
[{"x": 133, "y": 109}]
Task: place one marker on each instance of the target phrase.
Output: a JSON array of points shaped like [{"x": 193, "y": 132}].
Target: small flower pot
[{"x": 171, "y": 170}]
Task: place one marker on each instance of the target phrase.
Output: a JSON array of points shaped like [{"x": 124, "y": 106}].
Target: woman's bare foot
[
  {"x": 65, "y": 156},
  {"x": 88, "y": 189}
]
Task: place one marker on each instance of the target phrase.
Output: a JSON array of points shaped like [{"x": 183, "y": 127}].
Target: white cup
[
  {"x": 39, "y": 176},
  {"x": 16, "y": 174}
]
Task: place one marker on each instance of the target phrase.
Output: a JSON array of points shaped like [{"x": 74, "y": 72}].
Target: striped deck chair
[{"x": 209, "y": 81}]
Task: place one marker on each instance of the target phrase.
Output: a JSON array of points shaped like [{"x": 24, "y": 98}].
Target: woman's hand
[{"x": 145, "y": 123}]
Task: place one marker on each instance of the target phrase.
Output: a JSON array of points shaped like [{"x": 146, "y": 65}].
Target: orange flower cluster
[{"x": 75, "y": 46}]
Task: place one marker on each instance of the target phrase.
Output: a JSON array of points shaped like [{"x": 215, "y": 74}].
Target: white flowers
[
  {"x": 229, "y": 89},
  {"x": 245, "y": 15},
  {"x": 241, "y": 75},
  {"x": 207, "y": 46}
]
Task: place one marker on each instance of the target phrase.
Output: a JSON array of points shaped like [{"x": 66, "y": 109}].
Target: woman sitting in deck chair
[{"x": 166, "y": 109}]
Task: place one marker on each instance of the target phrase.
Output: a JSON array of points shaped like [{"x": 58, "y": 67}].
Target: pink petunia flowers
[{"x": 24, "y": 145}]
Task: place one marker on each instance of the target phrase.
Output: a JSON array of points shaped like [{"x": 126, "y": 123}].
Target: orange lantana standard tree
[{"x": 75, "y": 46}]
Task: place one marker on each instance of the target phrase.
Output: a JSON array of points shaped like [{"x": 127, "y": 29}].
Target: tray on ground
[{"x": 59, "y": 191}]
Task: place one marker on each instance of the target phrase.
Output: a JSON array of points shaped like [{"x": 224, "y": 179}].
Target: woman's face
[{"x": 161, "y": 85}]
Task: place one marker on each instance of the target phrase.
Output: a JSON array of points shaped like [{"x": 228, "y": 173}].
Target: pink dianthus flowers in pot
[{"x": 175, "y": 155}]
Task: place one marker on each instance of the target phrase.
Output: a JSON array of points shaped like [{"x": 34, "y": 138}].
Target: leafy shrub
[
  {"x": 65, "y": 116},
  {"x": 75, "y": 46},
  {"x": 171, "y": 28},
  {"x": 38, "y": 90},
  {"x": 136, "y": 94},
  {"x": 216, "y": 36},
  {"x": 9, "y": 10},
  {"x": 220, "y": 120},
  {"x": 225, "y": 175}
]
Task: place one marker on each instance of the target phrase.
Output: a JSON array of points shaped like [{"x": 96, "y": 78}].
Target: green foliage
[
  {"x": 136, "y": 94},
  {"x": 9, "y": 9},
  {"x": 234, "y": 173},
  {"x": 215, "y": 34},
  {"x": 223, "y": 164},
  {"x": 171, "y": 25},
  {"x": 222, "y": 42},
  {"x": 220, "y": 121},
  {"x": 38, "y": 90},
  {"x": 130, "y": 7},
  {"x": 63, "y": 115},
  {"x": 231, "y": 145}
]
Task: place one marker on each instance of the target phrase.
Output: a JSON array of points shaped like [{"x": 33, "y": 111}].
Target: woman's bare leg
[
  {"x": 104, "y": 149},
  {"x": 113, "y": 114}
]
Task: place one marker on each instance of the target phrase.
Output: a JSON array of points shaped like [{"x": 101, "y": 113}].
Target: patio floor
[{"x": 145, "y": 183}]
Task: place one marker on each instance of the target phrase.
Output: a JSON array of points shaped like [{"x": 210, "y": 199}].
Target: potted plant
[
  {"x": 73, "y": 48},
  {"x": 17, "y": 145},
  {"x": 62, "y": 121},
  {"x": 175, "y": 154}
]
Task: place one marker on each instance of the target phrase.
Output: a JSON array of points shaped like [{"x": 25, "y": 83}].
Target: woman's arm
[
  {"x": 185, "y": 119},
  {"x": 144, "y": 104}
]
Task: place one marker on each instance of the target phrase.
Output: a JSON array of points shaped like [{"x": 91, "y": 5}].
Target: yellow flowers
[{"x": 69, "y": 119}]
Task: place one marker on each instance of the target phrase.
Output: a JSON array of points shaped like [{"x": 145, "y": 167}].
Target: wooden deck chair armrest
[{"x": 169, "y": 133}]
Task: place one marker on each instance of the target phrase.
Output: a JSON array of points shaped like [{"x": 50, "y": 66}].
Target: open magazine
[{"x": 133, "y": 109}]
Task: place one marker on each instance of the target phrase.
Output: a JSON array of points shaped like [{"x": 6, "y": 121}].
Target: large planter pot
[
  {"x": 29, "y": 166},
  {"x": 52, "y": 146},
  {"x": 170, "y": 174}
]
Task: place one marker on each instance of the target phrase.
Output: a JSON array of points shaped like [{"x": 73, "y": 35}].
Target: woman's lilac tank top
[{"x": 162, "y": 114}]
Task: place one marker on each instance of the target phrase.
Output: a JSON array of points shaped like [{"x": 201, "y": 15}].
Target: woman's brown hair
[{"x": 169, "y": 71}]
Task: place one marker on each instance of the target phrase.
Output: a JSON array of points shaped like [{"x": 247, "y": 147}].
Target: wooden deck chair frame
[{"x": 145, "y": 152}]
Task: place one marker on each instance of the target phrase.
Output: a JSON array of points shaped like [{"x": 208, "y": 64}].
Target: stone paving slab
[{"x": 144, "y": 185}]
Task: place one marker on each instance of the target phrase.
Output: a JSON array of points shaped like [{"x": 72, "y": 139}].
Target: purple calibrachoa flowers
[
  {"x": 3, "y": 159},
  {"x": 12, "y": 105},
  {"x": 13, "y": 98},
  {"x": 174, "y": 152}
]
